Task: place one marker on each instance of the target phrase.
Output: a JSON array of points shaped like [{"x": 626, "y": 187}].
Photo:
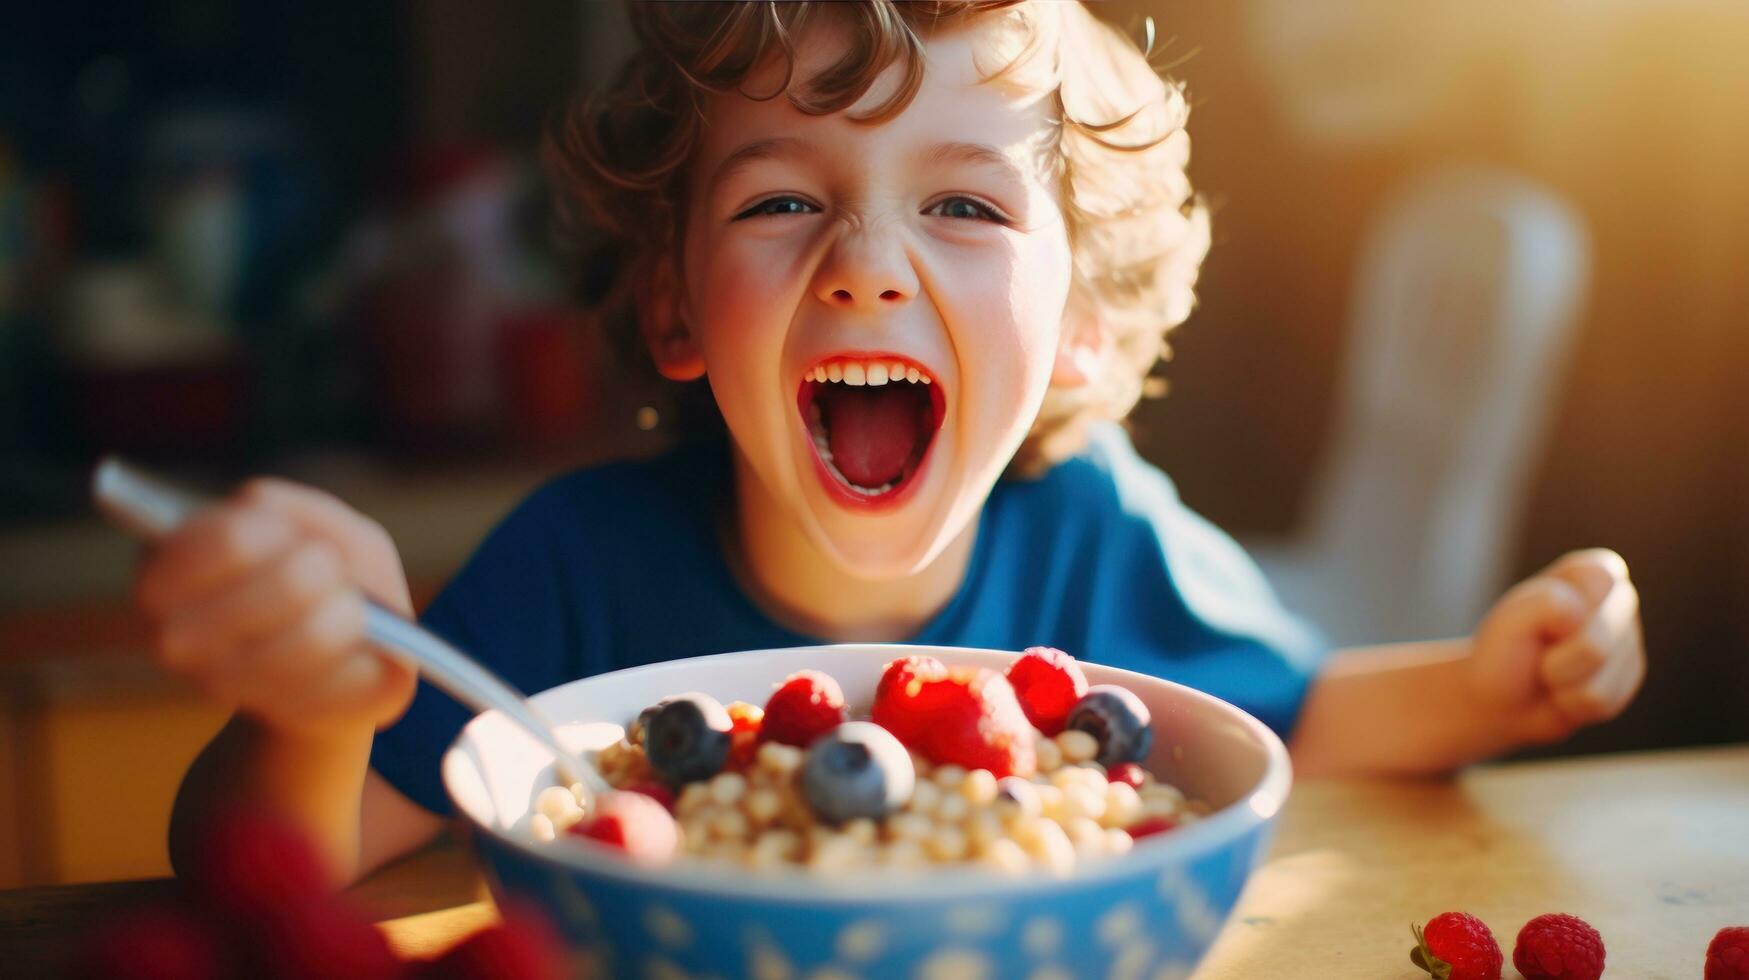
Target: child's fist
[
  {"x": 1562, "y": 649},
  {"x": 258, "y": 599}
]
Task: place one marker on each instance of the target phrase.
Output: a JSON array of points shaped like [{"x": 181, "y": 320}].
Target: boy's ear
[
  {"x": 671, "y": 344},
  {"x": 1081, "y": 350}
]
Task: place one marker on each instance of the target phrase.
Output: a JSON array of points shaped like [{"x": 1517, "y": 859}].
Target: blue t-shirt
[{"x": 1097, "y": 557}]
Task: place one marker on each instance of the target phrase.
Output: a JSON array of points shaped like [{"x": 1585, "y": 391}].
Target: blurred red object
[
  {"x": 261, "y": 904},
  {"x": 549, "y": 382},
  {"x": 434, "y": 274},
  {"x": 155, "y": 943},
  {"x": 176, "y": 411},
  {"x": 147, "y": 376},
  {"x": 522, "y": 946},
  {"x": 328, "y": 940},
  {"x": 256, "y": 864}
]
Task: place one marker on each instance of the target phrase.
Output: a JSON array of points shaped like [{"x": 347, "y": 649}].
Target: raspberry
[
  {"x": 320, "y": 941},
  {"x": 1152, "y": 826},
  {"x": 523, "y": 945},
  {"x": 1048, "y": 682},
  {"x": 655, "y": 791},
  {"x": 1558, "y": 947},
  {"x": 744, "y": 717},
  {"x": 633, "y": 823},
  {"x": 895, "y": 705},
  {"x": 1727, "y": 956},
  {"x": 807, "y": 705},
  {"x": 253, "y": 863},
  {"x": 746, "y": 721},
  {"x": 974, "y": 721},
  {"x": 1127, "y": 772},
  {"x": 1456, "y": 946},
  {"x": 154, "y": 943}
]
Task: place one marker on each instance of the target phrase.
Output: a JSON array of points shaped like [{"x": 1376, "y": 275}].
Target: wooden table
[{"x": 1652, "y": 849}]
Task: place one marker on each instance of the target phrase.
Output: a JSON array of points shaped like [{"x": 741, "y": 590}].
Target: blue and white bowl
[{"x": 1151, "y": 913}]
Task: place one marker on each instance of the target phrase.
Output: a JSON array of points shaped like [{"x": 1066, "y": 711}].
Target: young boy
[{"x": 912, "y": 248}]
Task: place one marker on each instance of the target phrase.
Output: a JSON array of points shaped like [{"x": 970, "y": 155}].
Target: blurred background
[{"x": 1479, "y": 295}]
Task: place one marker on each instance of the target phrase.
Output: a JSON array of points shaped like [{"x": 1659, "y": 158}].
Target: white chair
[{"x": 1466, "y": 297}]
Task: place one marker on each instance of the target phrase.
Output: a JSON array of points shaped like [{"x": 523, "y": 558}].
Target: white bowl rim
[{"x": 886, "y": 886}]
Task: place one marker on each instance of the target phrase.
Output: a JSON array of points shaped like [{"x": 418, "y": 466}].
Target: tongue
[{"x": 873, "y": 432}]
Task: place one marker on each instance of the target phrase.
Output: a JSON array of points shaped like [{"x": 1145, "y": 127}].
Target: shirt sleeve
[
  {"x": 1178, "y": 598},
  {"x": 508, "y": 609}
]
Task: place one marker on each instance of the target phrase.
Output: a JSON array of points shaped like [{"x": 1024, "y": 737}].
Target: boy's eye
[
  {"x": 964, "y": 207},
  {"x": 777, "y": 205}
]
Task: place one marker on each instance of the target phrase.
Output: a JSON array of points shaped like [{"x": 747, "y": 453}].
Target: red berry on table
[
  {"x": 1127, "y": 772},
  {"x": 804, "y": 707},
  {"x": 522, "y": 946},
  {"x": 155, "y": 943},
  {"x": 253, "y": 863},
  {"x": 633, "y": 823},
  {"x": 1456, "y": 946},
  {"x": 1558, "y": 947},
  {"x": 320, "y": 941},
  {"x": 1727, "y": 956},
  {"x": 1152, "y": 826},
  {"x": 1047, "y": 682}
]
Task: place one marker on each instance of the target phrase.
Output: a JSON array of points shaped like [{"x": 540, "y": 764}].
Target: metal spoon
[{"x": 150, "y": 508}]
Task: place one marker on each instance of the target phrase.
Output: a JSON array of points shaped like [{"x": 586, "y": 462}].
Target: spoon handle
[{"x": 149, "y": 507}]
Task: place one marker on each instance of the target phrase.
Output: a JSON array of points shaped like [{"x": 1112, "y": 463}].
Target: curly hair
[{"x": 1137, "y": 234}]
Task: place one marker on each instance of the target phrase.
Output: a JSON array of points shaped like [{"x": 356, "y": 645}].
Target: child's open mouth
[{"x": 873, "y": 418}]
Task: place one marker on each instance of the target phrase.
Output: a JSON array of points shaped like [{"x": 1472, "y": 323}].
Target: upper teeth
[{"x": 852, "y": 372}]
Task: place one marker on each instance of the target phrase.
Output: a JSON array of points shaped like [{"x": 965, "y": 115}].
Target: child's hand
[
  {"x": 258, "y": 600},
  {"x": 1562, "y": 649}
]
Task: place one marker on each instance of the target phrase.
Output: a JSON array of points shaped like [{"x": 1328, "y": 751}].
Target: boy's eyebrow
[
  {"x": 746, "y": 153},
  {"x": 981, "y": 154}
]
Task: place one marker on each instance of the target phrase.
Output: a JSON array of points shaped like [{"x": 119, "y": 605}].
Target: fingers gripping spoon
[{"x": 151, "y": 508}]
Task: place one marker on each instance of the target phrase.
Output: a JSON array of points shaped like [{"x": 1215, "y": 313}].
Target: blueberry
[
  {"x": 1117, "y": 720},
  {"x": 635, "y": 734},
  {"x": 687, "y": 738},
  {"x": 857, "y": 770}
]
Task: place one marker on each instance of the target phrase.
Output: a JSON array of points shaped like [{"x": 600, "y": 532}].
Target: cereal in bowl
[{"x": 952, "y": 767}]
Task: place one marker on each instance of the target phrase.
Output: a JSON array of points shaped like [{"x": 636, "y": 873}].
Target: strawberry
[
  {"x": 523, "y": 945},
  {"x": 634, "y": 823},
  {"x": 1456, "y": 946},
  {"x": 1558, "y": 947},
  {"x": 895, "y": 704},
  {"x": 1048, "y": 682},
  {"x": 804, "y": 707},
  {"x": 974, "y": 721},
  {"x": 1127, "y": 772},
  {"x": 1152, "y": 826},
  {"x": 1727, "y": 956},
  {"x": 164, "y": 942},
  {"x": 253, "y": 863},
  {"x": 966, "y": 716}
]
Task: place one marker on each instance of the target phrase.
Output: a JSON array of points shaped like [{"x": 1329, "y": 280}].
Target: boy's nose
[{"x": 866, "y": 270}]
